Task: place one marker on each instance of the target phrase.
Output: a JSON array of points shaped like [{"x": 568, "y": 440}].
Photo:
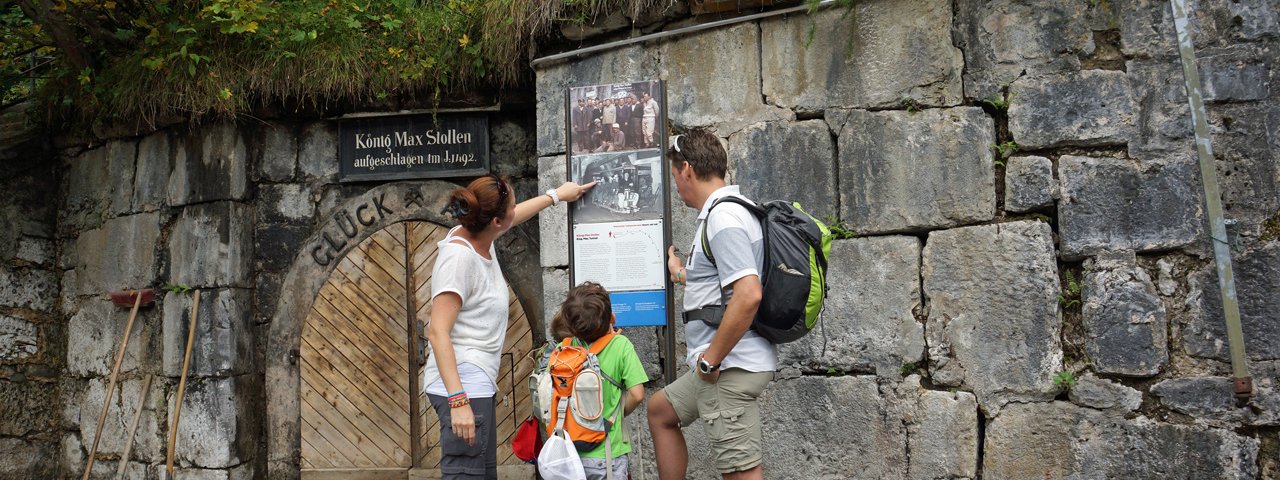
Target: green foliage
[
  {"x": 909, "y": 104},
  {"x": 144, "y": 60},
  {"x": 997, "y": 102},
  {"x": 176, "y": 288},
  {"x": 837, "y": 227},
  {"x": 1004, "y": 151},
  {"x": 1070, "y": 296},
  {"x": 1065, "y": 379},
  {"x": 907, "y": 369},
  {"x": 1270, "y": 228}
]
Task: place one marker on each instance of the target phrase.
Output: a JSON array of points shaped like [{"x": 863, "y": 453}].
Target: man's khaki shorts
[{"x": 729, "y": 411}]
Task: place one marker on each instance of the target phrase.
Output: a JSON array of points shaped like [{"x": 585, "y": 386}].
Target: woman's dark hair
[
  {"x": 587, "y": 311},
  {"x": 702, "y": 150},
  {"x": 483, "y": 200}
]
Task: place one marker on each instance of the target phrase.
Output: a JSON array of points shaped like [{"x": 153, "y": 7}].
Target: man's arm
[{"x": 737, "y": 318}]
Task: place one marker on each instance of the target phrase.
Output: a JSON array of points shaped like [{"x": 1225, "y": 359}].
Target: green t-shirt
[{"x": 619, "y": 361}]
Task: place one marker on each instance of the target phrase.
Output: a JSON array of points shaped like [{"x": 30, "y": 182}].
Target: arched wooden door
[{"x": 360, "y": 342}]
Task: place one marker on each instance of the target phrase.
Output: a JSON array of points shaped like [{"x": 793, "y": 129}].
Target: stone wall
[
  {"x": 976, "y": 276},
  {"x": 222, "y": 208}
]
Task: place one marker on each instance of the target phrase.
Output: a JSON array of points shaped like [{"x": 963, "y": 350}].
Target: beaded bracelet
[{"x": 459, "y": 400}]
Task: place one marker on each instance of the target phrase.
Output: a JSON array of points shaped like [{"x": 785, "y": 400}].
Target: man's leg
[{"x": 668, "y": 441}]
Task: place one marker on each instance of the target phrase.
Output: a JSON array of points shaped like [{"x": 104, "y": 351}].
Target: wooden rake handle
[
  {"x": 111, "y": 384},
  {"x": 182, "y": 383}
]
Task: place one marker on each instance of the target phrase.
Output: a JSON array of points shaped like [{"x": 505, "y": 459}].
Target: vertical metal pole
[{"x": 1213, "y": 198}]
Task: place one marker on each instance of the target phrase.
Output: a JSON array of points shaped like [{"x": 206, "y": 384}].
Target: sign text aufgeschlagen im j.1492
[{"x": 413, "y": 146}]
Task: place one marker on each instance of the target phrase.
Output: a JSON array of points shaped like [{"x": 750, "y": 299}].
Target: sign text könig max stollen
[{"x": 413, "y": 146}]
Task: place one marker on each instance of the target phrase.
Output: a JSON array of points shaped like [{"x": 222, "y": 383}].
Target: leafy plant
[
  {"x": 997, "y": 102},
  {"x": 909, "y": 104},
  {"x": 1065, "y": 379},
  {"x": 1070, "y": 295},
  {"x": 176, "y": 288},
  {"x": 907, "y": 369},
  {"x": 1004, "y": 151},
  {"x": 837, "y": 227}
]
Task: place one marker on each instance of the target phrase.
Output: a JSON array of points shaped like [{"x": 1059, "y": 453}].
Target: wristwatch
[
  {"x": 555, "y": 197},
  {"x": 705, "y": 367}
]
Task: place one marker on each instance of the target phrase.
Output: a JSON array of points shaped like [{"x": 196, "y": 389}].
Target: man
[
  {"x": 731, "y": 364},
  {"x": 581, "y": 121},
  {"x": 637, "y": 124},
  {"x": 610, "y": 114},
  {"x": 614, "y": 140},
  {"x": 650, "y": 120},
  {"x": 624, "y": 121}
]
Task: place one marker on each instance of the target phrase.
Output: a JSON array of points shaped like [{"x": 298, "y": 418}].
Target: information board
[{"x": 413, "y": 146}]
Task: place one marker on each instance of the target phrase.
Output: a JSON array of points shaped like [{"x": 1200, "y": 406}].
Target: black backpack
[{"x": 794, "y": 280}]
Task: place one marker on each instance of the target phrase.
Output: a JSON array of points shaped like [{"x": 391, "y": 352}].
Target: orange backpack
[{"x": 578, "y": 398}]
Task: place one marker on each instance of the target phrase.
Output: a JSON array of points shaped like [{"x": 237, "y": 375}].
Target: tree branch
[{"x": 63, "y": 35}]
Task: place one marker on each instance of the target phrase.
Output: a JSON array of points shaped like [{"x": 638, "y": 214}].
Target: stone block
[
  {"x": 22, "y": 459},
  {"x": 318, "y": 151},
  {"x": 1124, "y": 319},
  {"x": 28, "y": 288},
  {"x": 1146, "y": 26},
  {"x": 1230, "y": 80},
  {"x": 37, "y": 251},
  {"x": 285, "y": 203},
  {"x": 266, "y": 295},
  {"x": 555, "y": 287},
  {"x": 903, "y": 171},
  {"x": 121, "y": 167},
  {"x": 89, "y": 190},
  {"x": 151, "y": 180},
  {"x": 1162, "y": 126},
  {"x": 1005, "y": 39},
  {"x": 514, "y": 143},
  {"x": 220, "y": 422},
  {"x": 19, "y": 339},
  {"x": 994, "y": 324},
  {"x": 786, "y": 161},
  {"x": 211, "y": 245},
  {"x": 1246, "y": 149},
  {"x": 31, "y": 408},
  {"x": 1257, "y": 280},
  {"x": 882, "y": 52},
  {"x": 869, "y": 323},
  {"x": 118, "y": 256},
  {"x": 224, "y": 333},
  {"x": 844, "y": 411},
  {"x": 150, "y": 439},
  {"x": 94, "y": 334},
  {"x": 276, "y": 246},
  {"x": 1028, "y": 184},
  {"x": 649, "y": 345},
  {"x": 1212, "y": 399},
  {"x": 210, "y": 166},
  {"x": 631, "y": 63},
  {"x": 1061, "y": 440},
  {"x": 278, "y": 158},
  {"x": 242, "y": 472},
  {"x": 553, "y": 223},
  {"x": 1112, "y": 204},
  {"x": 1100, "y": 393},
  {"x": 1087, "y": 109},
  {"x": 942, "y": 431},
  {"x": 736, "y": 69}
]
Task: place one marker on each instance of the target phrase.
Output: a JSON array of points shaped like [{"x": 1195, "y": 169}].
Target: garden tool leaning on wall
[
  {"x": 182, "y": 384},
  {"x": 125, "y": 298}
]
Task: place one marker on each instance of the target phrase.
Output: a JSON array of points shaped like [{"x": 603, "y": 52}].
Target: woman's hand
[
  {"x": 570, "y": 191},
  {"x": 464, "y": 424}
]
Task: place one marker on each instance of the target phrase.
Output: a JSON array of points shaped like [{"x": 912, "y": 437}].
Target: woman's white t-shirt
[{"x": 481, "y": 327}]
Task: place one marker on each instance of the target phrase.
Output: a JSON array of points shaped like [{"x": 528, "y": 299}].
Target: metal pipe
[
  {"x": 1213, "y": 199},
  {"x": 673, "y": 33}
]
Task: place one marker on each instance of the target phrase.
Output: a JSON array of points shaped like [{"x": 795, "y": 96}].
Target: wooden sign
[{"x": 413, "y": 146}]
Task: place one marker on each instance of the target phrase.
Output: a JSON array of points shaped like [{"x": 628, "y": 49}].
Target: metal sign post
[{"x": 1213, "y": 198}]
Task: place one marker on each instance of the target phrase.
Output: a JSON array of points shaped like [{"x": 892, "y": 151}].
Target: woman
[{"x": 469, "y": 320}]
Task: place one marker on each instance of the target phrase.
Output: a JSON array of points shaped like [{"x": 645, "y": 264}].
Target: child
[{"x": 588, "y": 315}]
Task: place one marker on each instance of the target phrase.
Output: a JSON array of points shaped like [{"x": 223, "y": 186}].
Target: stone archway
[{"x": 354, "y": 222}]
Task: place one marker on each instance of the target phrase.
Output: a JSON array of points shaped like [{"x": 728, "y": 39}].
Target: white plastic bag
[{"x": 559, "y": 459}]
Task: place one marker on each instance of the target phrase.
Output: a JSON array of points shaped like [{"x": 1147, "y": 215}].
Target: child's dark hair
[
  {"x": 587, "y": 311},
  {"x": 485, "y": 199},
  {"x": 703, "y": 151},
  {"x": 559, "y": 329}
]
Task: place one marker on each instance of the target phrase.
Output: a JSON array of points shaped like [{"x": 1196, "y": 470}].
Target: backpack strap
[{"x": 755, "y": 210}]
